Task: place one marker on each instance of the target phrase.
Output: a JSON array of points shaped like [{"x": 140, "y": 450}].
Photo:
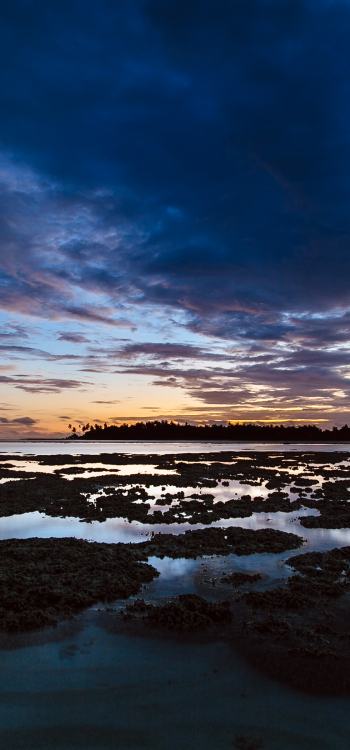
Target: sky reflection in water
[{"x": 175, "y": 575}]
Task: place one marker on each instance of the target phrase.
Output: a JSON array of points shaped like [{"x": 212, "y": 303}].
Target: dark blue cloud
[{"x": 219, "y": 128}]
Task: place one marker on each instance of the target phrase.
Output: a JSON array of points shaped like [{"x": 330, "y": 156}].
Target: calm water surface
[
  {"x": 94, "y": 690},
  {"x": 91, "y": 447}
]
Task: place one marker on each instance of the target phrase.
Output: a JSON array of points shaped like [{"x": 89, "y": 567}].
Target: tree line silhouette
[{"x": 164, "y": 430}]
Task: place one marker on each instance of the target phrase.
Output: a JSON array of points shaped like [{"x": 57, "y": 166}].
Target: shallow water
[
  {"x": 98, "y": 690},
  {"x": 84, "y": 686},
  {"x": 92, "y": 469}
]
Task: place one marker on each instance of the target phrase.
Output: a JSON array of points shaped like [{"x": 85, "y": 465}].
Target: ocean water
[{"x": 91, "y": 447}]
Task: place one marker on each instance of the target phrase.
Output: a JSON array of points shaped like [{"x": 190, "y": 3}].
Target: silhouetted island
[{"x": 164, "y": 430}]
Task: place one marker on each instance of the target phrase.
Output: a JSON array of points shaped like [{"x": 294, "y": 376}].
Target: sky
[{"x": 174, "y": 212}]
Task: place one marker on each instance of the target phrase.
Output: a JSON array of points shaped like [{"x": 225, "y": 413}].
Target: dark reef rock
[
  {"x": 239, "y": 578},
  {"x": 334, "y": 514},
  {"x": 322, "y": 576},
  {"x": 216, "y": 541},
  {"x": 44, "y": 580},
  {"x": 331, "y": 567},
  {"x": 187, "y": 612},
  {"x": 247, "y": 742},
  {"x": 118, "y": 495},
  {"x": 299, "y": 632},
  {"x": 56, "y": 496}
]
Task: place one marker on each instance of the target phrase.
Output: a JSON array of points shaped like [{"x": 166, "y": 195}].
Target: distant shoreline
[
  {"x": 163, "y": 430},
  {"x": 64, "y": 440}
]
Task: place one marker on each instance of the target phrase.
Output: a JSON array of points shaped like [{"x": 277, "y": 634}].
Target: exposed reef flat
[
  {"x": 215, "y": 541},
  {"x": 297, "y": 633},
  {"x": 300, "y": 632},
  {"x": 45, "y": 580},
  {"x": 294, "y": 628},
  {"x": 238, "y": 578},
  {"x": 187, "y": 612},
  {"x": 57, "y": 496},
  {"x": 290, "y": 482},
  {"x": 333, "y": 506}
]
